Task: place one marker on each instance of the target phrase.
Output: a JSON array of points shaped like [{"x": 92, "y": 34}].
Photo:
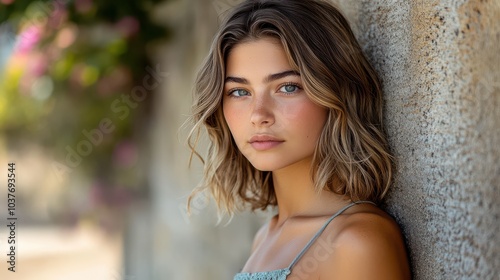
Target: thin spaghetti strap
[{"x": 322, "y": 229}]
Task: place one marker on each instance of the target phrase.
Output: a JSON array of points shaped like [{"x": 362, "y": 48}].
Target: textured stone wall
[{"x": 439, "y": 64}]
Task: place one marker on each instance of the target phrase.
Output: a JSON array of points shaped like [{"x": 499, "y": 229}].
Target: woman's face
[{"x": 273, "y": 122}]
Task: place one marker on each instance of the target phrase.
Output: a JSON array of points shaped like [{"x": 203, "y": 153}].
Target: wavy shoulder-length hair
[{"x": 351, "y": 158}]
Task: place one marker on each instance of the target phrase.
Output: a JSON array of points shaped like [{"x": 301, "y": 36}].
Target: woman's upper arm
[{"x": 371, "y": 247}]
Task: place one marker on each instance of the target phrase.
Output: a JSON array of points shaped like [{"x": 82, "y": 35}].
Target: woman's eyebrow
[{"x": 268, "y": 79}]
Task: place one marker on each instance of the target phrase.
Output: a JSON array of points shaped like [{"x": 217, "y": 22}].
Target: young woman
[{"x": 293, "y": 111}]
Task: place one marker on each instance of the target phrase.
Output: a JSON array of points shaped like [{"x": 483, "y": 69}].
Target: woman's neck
[{"x": 296, "y": 196}]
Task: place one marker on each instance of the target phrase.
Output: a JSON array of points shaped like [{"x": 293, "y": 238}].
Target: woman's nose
[{"x": 262, "y": 112}]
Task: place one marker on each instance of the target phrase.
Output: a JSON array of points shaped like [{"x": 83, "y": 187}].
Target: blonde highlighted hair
[{"x": 351, "y": 158}]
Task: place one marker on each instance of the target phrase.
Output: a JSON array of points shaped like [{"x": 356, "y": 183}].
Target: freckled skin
[{"x": 267, "y": 108}]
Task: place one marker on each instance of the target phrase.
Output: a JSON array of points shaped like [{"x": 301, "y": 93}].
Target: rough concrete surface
[{"x": 440, "y": 64}]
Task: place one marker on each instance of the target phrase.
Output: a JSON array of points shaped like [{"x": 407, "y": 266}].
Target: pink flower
[
  {"x": 28, "y": 39},
  {"x": 128, "y": 26}
]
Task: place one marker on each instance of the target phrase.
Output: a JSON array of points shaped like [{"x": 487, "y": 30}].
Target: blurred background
[{"x": 93, "y": 98}]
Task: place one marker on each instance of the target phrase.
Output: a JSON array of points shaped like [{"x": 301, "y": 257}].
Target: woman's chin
[{"x": 264, "y": 166}]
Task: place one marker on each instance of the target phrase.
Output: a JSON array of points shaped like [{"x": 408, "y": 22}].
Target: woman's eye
[
  {"x": 238, "y": 92},
  {"x": 289, "y": 88}
]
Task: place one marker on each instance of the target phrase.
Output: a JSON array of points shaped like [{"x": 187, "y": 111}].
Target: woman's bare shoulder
[
  {"x": 368, "y": 245},
  {"x": 367, "y": 218}
]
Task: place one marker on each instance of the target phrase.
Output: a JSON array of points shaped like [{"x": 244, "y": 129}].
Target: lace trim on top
[{"x": 278, "y": 274}]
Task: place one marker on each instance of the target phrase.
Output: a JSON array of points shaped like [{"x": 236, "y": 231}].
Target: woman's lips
[
  {"x": 265, "y": 145},
  {"x": 264, "y": 142}
]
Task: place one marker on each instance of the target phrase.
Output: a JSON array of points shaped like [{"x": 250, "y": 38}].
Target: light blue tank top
[{"x": 281, "y": 274}]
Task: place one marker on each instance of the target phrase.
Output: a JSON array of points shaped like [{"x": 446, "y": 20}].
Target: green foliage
[{"x": 71, "y": 61}]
